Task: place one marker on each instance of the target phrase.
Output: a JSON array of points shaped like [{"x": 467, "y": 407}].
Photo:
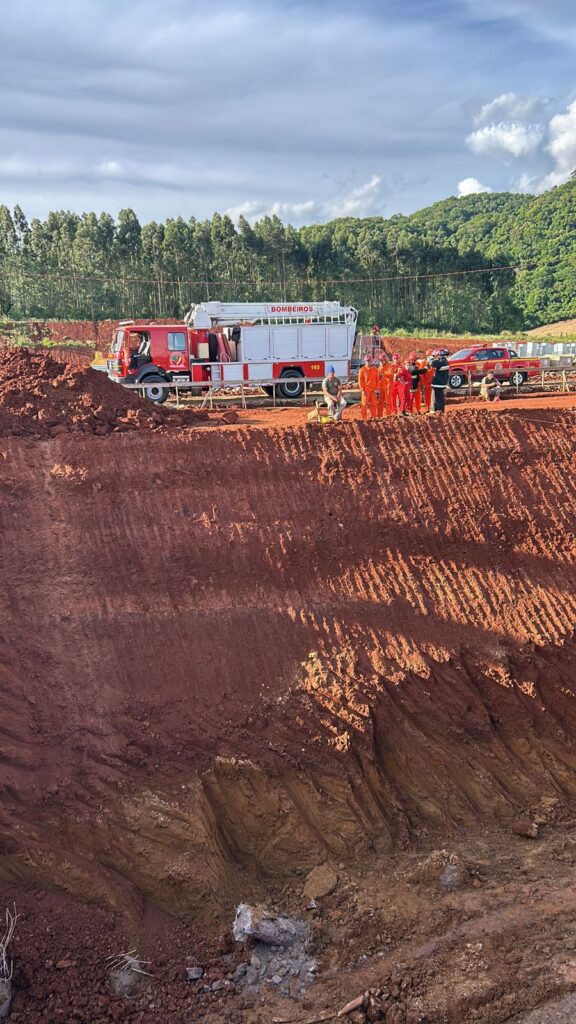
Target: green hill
[{"x": 436, "y": 269}]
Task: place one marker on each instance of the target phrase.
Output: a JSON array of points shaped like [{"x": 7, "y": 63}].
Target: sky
[{"x": 311, "y": 111}]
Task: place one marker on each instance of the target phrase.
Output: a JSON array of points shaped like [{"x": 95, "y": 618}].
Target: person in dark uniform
[{"x": 440, "y": 365}]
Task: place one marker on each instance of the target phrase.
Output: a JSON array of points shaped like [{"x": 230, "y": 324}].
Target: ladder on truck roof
[{"x": 231, "y": 314}]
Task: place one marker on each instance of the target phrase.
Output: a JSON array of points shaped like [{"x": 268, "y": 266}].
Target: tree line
[{"x": 440, "y": 268}]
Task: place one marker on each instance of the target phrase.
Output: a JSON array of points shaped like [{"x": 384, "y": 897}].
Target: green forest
[{"x": 436, "y": 269}]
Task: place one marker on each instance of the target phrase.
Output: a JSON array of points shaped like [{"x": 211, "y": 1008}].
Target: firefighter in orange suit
[
  {"x": 368, "y": 384},
  {"x": 385, "y": 381},
  {"x": 395, "y": 389},
  {"x": 416, "y": 396},
  {"x": 426, "y": 380},
  {"x": 425, "y": 384}
]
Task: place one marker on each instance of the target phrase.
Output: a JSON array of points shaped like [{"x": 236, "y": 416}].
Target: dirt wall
[{"x": 229, "y": 654}]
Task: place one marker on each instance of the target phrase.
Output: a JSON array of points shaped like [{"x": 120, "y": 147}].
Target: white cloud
[
  {"x": 506, "y": 139},
  {"x": 562, "y": 144},
  {"x": 562, "y": 148},
  {"x": 470, "y": 186},
  {"x": 109, "y": 168},
  {"x": 509, "y": 106},
  {"x": 364, "y": 201}
]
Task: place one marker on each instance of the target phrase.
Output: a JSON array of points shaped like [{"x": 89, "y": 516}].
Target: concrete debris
[
  {"x": 453, "y": 876},
  {"x": 280, "y": 955},
  {"x": 272, "y": 929},
  {"x": 194, "y": 973}
]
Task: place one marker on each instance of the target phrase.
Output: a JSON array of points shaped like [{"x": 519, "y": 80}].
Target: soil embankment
[
  {"x": 228, "y": 656},
  {"x": 201, "y": 628}
]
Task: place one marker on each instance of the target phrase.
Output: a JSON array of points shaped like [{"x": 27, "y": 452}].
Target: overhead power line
[{"x": 259, "y": 283}]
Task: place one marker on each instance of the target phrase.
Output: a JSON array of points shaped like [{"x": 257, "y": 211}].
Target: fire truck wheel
[
  {"x": 291, "y": 384},
  {"x": 158, "y": 393}
]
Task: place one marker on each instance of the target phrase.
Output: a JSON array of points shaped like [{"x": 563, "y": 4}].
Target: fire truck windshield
[{"x": 118, "y": 341}]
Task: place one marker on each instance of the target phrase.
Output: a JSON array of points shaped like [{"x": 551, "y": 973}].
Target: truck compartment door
[
  {"x": 313, "y": 341},
  {"x": 255, "y": 344},
  {"x": 338, "y": 341},
  {"x": 232, "y": 371},
  {"x": 284, "y": 344},
  {"x": 259, "y": 371}
]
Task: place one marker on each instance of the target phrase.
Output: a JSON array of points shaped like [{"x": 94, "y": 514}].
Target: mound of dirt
[{"x": 42, "y": 397}]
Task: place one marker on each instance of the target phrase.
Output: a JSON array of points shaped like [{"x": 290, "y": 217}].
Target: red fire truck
[{"x": 226, "y": 344}]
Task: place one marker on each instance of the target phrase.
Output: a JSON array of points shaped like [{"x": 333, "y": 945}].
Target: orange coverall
[
  {"x": 401, "y": 390},
  {"x": 420, "y": 393},
  {"x": 426, "y": 383},
  {"x": 385, "y": 382},
  {"x": 368, "y": 384}
]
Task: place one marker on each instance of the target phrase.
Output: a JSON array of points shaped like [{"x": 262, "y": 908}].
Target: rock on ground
[
  {"x": 524, "y": 826},
  {"x": 321, "y": 881}
]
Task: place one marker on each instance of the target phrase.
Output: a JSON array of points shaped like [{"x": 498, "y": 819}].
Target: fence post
[{"x": 469, "y": 384}]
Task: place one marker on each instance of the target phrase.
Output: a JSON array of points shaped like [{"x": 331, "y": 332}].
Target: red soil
[
  {"x": 229, "y": 654},
  {"x": 296, "y": 416},
  {"x": 41, "y": 397},
  {"x": 97, "y": 333}
]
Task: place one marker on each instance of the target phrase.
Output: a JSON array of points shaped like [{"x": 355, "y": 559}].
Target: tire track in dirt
[{"x": 262, "y": 645}]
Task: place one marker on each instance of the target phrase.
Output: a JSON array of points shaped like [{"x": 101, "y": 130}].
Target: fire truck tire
[
  {"x": 457, "y": 380},
  {"x": 517, "y": 379},
  {"x": 291, "y": 384},
  {"x": 157, "y": 394}
]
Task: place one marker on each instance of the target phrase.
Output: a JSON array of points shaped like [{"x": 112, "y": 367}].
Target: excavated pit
[{"x": 227, "y": 657}]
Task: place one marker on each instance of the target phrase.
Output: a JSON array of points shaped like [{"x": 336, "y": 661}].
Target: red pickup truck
[{"x": 478, "y": 360}]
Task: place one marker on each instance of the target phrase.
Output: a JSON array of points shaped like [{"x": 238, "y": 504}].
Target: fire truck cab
[{"x": 227, "y": 344}]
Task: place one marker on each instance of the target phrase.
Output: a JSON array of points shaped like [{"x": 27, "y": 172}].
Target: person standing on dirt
[
  {"x": 368, "y": 384},
  {"x": 403, "y": 386},
  {"x": 384, "y": 402},
  {"x": 439, "y": 364},
  {"x": 416, "y": 373},
  {"x": 426, "y": 379},
  {"x": 332, "y": 391}
]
